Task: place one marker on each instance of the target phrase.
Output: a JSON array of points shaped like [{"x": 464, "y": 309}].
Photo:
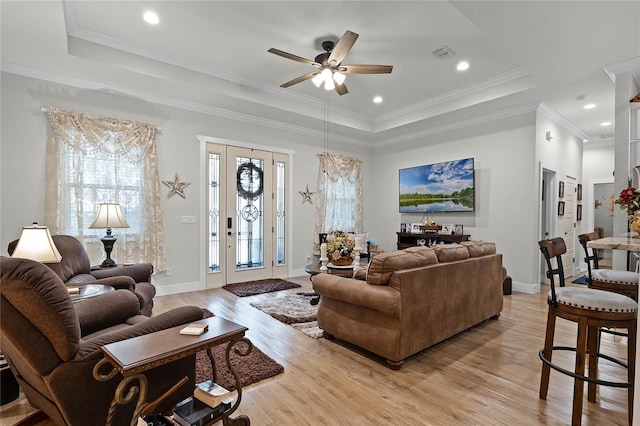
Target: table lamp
[
  {"x": 109, "y": 216},
  {"x": 35, "y": 243}
]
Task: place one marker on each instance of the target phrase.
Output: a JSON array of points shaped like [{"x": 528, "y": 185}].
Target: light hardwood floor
[{"x": 488, "y": 375}]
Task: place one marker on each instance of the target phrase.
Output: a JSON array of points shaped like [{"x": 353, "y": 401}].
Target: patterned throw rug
[
  {"x": 295, "y": 310},
  {"x": 251, "y": 288},
  {"x": 252, "y": 368}
]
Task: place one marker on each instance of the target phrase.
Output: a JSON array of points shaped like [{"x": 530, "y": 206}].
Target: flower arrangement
[
  {"x": 339, "y": 246},
  {"x": 430, "y": 222},
  {"x": 629, "y": 199}
]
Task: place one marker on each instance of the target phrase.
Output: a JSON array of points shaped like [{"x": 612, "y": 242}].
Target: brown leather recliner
[
  {"x": 53, "y": 345},
  {"x": 75, "y": 269}
]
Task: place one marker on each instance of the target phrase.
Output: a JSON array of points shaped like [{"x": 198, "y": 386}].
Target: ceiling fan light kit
[{"x": 330, "y": 70}]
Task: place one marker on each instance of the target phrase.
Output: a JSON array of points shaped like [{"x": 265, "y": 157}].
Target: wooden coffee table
[
  {"x": 313, "y": 269},
  {"x": 132, "y": 357}
]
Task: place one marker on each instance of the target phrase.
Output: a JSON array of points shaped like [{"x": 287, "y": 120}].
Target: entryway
[{"x": 247, "y": 222}]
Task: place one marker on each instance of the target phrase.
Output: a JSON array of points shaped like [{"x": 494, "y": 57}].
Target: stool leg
[
  {"x": 593, "y": 347},
  {"x": 578, "y": 384},
  {"x": 631, "y": 362},
  {"x": 548, "y": 345}
]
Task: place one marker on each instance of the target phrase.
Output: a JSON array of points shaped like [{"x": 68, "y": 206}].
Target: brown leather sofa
[
  {"x": 413, "y": 298},
  {"x": 75, "y": 269},
  {"x": 53, "y": 345}
]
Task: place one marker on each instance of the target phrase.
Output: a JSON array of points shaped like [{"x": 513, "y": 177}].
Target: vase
[
  {"x": 343, "y": 261},
  {"x": 634, "y": 225}
]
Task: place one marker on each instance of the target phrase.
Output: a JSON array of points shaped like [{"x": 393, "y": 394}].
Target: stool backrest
[
  {"x": 593, "y": 257},
  {"x": 554, "y": 248}
]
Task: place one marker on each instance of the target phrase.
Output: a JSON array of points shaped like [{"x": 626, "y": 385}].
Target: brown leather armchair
[
  {"x": 75, "y": 269},
  {"x": 53, "y": 345}
]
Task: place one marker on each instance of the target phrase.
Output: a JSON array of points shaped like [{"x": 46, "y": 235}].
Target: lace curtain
[
  {"x": 339, "y": 198},
  {"x": 92, "y": 159}
]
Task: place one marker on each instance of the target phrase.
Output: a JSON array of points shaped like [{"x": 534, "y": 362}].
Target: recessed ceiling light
[
  {"x": 605, "y": 123},
  {"x": 151, "y": 18},
  {"x": 377, "y": 100},
  {"x": 589, "y": 106},
  {"x": 462, "y": 66}
]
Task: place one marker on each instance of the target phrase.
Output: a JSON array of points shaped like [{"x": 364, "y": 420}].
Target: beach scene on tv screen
[{"x": 440, "y": 187}]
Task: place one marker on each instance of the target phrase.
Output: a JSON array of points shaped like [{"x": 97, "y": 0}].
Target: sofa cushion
[
  {"x": 479, "y": 248},
  {"x": 450, "y": 252},
  {"x": 384, "y": 265}
]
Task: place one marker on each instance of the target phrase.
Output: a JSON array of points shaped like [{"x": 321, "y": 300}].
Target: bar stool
[
  {"x": 591, "y": 309},
  {"x": 622, "y": 282}
]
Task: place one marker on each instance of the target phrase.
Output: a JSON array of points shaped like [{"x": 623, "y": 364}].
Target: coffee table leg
[{"x": 242, "y": 350}]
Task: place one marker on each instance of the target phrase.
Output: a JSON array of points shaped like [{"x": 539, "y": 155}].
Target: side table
[
  {"x": 88, "y": 291},
  {"x": 132, "y": 357}
]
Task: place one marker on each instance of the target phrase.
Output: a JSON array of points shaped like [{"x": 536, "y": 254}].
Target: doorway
[
  {"x": 247, "y": 214},
  {"x": 603, "y": 210}
]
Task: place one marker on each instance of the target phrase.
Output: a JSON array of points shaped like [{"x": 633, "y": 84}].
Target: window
[
  {"x": 339, "y": 201},
  {"x": 91, "y": 160}
]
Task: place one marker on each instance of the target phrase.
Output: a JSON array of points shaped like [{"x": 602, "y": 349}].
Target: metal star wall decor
[
  {"x": 306, "y": 195},
  {"x": 176, "y": 187}
]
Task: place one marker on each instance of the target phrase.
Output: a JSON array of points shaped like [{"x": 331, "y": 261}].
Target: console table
[
  {"x": 408, "y": 239},
  {"x": 132, "y": 357}
]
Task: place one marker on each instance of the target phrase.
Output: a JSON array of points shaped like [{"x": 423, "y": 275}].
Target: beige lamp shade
[
  {"x": 109, "y": 216},
  {"x": 35, "y": 243}
]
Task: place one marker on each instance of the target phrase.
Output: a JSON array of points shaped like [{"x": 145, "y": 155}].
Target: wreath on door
[{"x": 246, "y": 177}]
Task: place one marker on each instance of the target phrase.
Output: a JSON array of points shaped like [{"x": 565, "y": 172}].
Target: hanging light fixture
[{"x": 328, "y": 77}]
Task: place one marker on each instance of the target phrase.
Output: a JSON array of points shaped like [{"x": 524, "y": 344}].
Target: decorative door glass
[
  {"x": 249, "y": 213},
  {"x": 214, "y": 212},
  {"x": 281, "y": 192}
]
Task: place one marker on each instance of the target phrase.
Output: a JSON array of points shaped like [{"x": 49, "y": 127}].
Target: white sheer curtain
[
  {"x": 93, "y": 159},
  {"x": 339, "y": 198}
]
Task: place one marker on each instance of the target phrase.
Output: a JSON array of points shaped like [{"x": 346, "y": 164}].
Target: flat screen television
[{"x": 440, "y": 187}]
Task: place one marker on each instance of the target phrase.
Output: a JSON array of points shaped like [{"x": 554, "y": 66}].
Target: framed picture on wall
[
  {"x": 579, "y": 192},
  {"x": 560, "y": 208},
  {"x": 579, "y": 213},
  {"x": 561, "y": 190}
]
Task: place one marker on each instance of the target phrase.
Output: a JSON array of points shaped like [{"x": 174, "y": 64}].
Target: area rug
[
  {"x": 580, "y": 280},
  {"x": 295, "y": 310},
  {"x": 251, "y": 288},
  {"x": 252, "y": 368}
]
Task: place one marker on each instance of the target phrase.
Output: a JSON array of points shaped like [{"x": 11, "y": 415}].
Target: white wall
[
  {"x": 506, "y": 153},
  {"x": 23, "y": 142},
  {"x": 503, "y": 152}
]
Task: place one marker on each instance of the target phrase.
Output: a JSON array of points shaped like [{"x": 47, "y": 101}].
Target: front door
[
  {"x": 249, "y": 236},
  {"x": 247, "y": 221}
]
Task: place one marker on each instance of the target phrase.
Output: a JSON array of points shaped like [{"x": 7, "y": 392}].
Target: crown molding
[
  {"x": 511, "y": 112},
  {"x": 59, "y": 78},
  {"x": 631, "y": 65},
  {"x": 554, "y": 116},
  {"x": 454, "y": 94},
  {"x": 23, "y": 70}
]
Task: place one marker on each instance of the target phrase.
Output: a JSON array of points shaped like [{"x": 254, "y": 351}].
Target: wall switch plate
[
  {"x": 188, "y": 219},
  {"x": 168, "y": 271}
]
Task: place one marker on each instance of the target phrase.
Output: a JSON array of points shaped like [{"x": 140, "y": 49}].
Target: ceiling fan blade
[
  {"x": 341, "y": 89},
  {"x": 293, "y": 57},
  {"x": 343, "y": 47},
  {"x": 299, "y": 79},
  {"x": 366, "y": 69}
]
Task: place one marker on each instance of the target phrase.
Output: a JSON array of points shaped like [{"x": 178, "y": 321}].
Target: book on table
[
  {"x": 193, "y": 412},
  {"x": 211, "y": 393},
  {"x": 194, "y": 329}
]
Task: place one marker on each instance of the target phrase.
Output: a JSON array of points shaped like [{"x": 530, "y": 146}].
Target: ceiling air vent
[{"x": 443, "y": 52}]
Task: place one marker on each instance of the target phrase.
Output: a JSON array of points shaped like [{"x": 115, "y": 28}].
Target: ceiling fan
[{"x": 330, "y": 70}]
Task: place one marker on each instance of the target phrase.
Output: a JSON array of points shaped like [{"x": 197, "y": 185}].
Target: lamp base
[
  {"x": 108, "y": 241},
  {"x": 108, "y": 263}
]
